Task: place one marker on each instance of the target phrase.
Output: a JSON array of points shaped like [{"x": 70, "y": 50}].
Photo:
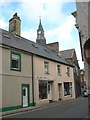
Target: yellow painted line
[
  {"x": 13, "y": 114},
  {"x": 22, "y": 112}
]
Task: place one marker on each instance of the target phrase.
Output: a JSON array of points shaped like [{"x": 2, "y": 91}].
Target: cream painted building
[
  {"x": 31, "y": 74},
  {"x": 54, "y": 78},
  {"x": 52, "y": 81},
  {"x": 16, "y": 77}
]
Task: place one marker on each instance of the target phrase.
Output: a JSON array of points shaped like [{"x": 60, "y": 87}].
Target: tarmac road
[{"x": 77, "y": 108}]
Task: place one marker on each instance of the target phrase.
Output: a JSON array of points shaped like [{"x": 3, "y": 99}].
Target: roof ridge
[
  {"x": 67, "y": 50},
  {"x": 26, "y": 45}
]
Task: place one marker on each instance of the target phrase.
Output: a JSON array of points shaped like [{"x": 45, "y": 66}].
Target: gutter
[
  {"x": 81, "y": 46},
  {"x": 33, "y": 81},
  {"x": 14, "y": 48}
]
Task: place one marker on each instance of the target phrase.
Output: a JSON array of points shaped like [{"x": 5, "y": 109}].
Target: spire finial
[
  {"x": 40, "y": 24},
  {"x": 40, "y": 19}
]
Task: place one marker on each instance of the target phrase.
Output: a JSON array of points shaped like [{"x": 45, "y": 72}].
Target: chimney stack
[
  {"x": 53, "y": 46},
  {"x": 15, "y": 25}
]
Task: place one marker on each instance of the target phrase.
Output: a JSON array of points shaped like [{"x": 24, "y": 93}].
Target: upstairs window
[
  {"x": 68, "y": 71},
  {"x": 15, "y": 61},
  {"x": 46, "y": 67},
  {"x": 59, "y": 69}
]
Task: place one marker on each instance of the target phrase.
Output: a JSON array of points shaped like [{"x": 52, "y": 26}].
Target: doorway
[
  {"x": 25, "y": 95},
  {"x": 49, "y": 91},
  {"x": 59, "y": 91}
]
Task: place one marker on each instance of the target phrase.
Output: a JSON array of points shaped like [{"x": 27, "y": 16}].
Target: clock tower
[{"x": 40, "y": 35}]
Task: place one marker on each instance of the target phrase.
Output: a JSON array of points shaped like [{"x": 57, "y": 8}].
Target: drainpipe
[{"x": 32, "y": 80}]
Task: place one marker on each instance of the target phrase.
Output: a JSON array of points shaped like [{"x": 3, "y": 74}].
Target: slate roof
[
  {"x": 18, "y": 42},
  {"x": 67, "y": 53}
]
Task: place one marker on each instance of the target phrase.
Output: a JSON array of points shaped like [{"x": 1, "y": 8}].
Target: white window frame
[{"x": 46, "y": 67}]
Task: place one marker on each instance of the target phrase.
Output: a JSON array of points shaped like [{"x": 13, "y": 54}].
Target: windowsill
[
  {"x": 68, "y": 96},
  {"x": 59, "y": 74},
  {"x": 43, "y": 99},
  {"x": 47, "y": 73},
  {"x": 14, "y": 69}
]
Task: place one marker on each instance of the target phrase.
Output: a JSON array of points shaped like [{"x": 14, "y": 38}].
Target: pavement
[
  {"x": 36, "y": 107},
  {"x": 87, "y": 118}
]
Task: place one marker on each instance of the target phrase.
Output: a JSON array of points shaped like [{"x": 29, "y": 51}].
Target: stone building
[
  {"x": 82, "y": 16},
  {"x": 83, "y": 81},
  {"x": 82, "y": 24},
  {"x": 70, "y": 56}
]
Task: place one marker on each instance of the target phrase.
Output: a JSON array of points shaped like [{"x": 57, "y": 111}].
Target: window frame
[
  {"x": 68, "y": 71},
  {"x": 70, "y": 89},
  {"x": 59, "y": 69},
  {"x": 42, "y": 81},
  {"x": 15, "y": 69},
  {"x": 47, "y": 69}
]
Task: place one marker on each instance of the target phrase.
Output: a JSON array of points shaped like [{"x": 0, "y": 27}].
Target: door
[
  {"x": 59, "y": 94},
  {"x": 49, "y": 91},
  {"x": 25, "y": 96}
]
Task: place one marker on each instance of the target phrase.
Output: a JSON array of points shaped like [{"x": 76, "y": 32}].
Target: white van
[{"x": 85, "y": 94}]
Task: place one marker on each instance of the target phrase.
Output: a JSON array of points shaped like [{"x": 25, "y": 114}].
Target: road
[{"x": 77, "y": 108}]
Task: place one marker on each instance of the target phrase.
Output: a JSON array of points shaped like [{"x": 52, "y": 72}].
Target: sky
[{"x": 56, "y": 17}]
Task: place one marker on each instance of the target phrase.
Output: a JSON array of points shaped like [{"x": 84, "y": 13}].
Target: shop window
[
  {"x": 42, "y": 89},
  {"x": 67, "y": 88}
]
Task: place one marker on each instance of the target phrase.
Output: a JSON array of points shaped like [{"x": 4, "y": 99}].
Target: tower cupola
[{"x": 40, "y": 35}]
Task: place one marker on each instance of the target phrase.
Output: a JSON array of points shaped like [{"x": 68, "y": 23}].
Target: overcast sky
[{"x": 57, "y": 21}]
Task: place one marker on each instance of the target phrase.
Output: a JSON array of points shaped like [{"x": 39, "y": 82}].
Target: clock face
[{"x": 39, "y": 32}]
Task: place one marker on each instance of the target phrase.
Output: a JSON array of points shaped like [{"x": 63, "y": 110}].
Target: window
[
  {"x": 24, "y": 92},
  {"x": 14, "y": 27},
  {"x": 68, "y": 71},
  {"x": 42, "y": 89},
  {"x": 46, "y": 67},
  {"x": 6, "y": 36},
  {"x": 68, "y": 88},
  {"x": 15, "y": 61},
  {"x": 59, "y": 69},
  {"x": 14, "y": 22},
  {"x": 46, "y": 50},
  {"x": 35, "y": 45}
]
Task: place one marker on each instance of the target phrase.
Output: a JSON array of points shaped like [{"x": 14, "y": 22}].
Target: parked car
[{"x": 85, "y": 94}]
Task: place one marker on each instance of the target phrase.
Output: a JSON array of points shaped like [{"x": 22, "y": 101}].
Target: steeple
[
  {"x": 40, "y": 25},
  {"x": 40, "y": 35}
]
